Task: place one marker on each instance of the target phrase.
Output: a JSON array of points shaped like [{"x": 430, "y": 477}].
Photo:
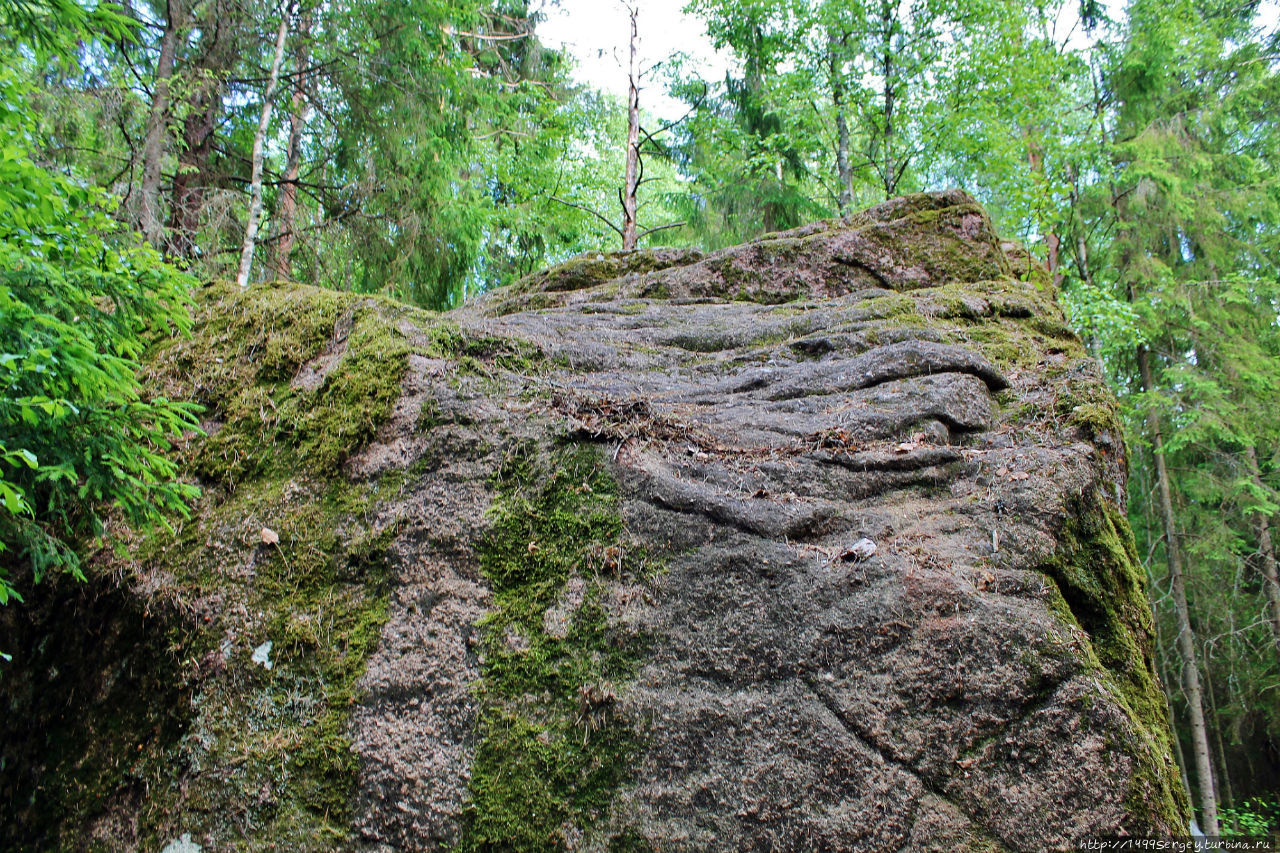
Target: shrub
[{"x": 79, "y": 299}]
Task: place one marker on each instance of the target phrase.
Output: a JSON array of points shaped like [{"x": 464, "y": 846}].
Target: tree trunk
[
  {"x": 187, "y": 198},
  {"x": 629, "y": 204},
  {"x": 1162, "y": 660},
  {"x": 1186, "y": 634},
  {"x": 149, "y": 218},
  {"x": 203, "y": 109},
  {"x": 1035, "y": 160},
  {"x": 844, "y": 174},
  {"x": 1225, "y": 794},
  {"x": 287, "y": 211},
  {"x": 890, "y": 174},
  {"x": 255, "y": 181},
  {"x": 1178, "y": 755},
  {"x": 1267, "y": 552}
]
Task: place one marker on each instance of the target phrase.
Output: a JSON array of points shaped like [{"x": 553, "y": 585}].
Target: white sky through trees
[{"x": 596, "y": 33}]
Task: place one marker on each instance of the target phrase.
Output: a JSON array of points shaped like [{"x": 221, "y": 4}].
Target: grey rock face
[{"x": 981, "y": 681}]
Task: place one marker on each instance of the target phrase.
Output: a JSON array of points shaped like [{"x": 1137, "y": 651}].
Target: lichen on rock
[{"x": 584, "y": 566}]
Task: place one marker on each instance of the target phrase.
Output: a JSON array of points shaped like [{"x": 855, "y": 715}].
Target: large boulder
[{"x": 814, "y": 543}]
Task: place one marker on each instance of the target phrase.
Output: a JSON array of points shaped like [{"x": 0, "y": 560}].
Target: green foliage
[
  {"x": 450, "y": 131},
  {"x": 846, "y": 102},
  {"x": 1177, "y": 252},
  {"x": 79, "y": 302},
  {"x": 56, "y": 25},
  {"x": 1256, "y": 817},
  {"x": 1109, "y": 325}
]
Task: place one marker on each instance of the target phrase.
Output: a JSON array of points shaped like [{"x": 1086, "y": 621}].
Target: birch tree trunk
[
  {"x": 1186, "y": 634},
  {"x": 255, "y": 180},
  {"x": 149, "y": 218},
  {"x": 633, "y": 146}
]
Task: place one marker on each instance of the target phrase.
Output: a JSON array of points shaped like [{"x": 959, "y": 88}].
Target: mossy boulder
[{"x": 581, "y": 566}]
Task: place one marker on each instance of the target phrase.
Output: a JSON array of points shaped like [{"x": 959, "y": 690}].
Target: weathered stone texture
[
  {"x": 906, "y": 388},
  {"x": 982, "y": 681}
]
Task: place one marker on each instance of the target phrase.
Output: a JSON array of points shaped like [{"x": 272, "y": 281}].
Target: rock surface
[{"x": 610, "y": 530}]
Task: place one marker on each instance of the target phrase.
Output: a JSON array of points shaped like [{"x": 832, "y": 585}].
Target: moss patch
[
  {"x": 1006, "y": 320},
  {"x": 247, "y": 347},
  {"x": 551, "y": 750},
  {"x": 212, "y": 743},
  {"x": 1096, "y": 569},
  {"x": 296, "y": 380},
  {"x": 1084, "y": 401},
  {"x": 598, "y": 267},
  {"x": 267, "y": 753}
]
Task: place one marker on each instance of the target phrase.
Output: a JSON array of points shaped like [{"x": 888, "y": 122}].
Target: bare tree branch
[
  {"x": 661, "y": 228},
  {"x": 589, "y": 210}
]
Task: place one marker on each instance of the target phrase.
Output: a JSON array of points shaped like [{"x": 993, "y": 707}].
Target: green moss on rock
[
  {"x": 243, "y": 361},
  {"x": 1096, "y": 569},
  {"x": 295, "y": 380},
  {"x": 598, "y": 267},
  {"x": 267, "y": 751},
  {"x": 551, "y": 751}
]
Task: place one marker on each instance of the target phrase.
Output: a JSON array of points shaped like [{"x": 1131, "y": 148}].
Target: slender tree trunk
[
  {"x": 149, "y": 218},
  {"x": 844, "y": 174},
  {"x": 890, "y": 174},
  {"x": 1035, "y": 160},
  {"x": 1267, "y": 552},
  {"x": 1162, "y": 659},
  {"x": 1186, "y": 634},
  {"x": 287, "y": 212},
  {"x": 1224, "y": 776},
  {"x": 1178, "y": 754},
  {"x": 255, "y": 181},
  {"x": 629, "y": 204}
]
